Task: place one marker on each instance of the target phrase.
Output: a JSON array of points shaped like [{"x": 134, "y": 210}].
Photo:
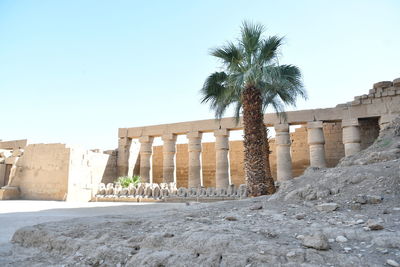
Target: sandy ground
[{"x": 19, "y": 213}]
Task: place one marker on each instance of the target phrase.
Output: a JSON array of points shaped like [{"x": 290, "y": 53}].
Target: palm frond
[
  {"x": 230, "y": 55},
  {"x": 269, "y": 49},
  {"x": 250, "y": 39}
]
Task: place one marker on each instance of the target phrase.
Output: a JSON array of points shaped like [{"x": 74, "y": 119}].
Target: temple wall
[
  {"x": 110, "y": 172},
  {"x": 42, "y": 172},
  {"x": 57, "y": 172},
  {"x": 86, "y": 170}
]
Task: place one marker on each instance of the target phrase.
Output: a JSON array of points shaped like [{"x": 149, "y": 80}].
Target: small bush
[{"x": 126, "y": 180}]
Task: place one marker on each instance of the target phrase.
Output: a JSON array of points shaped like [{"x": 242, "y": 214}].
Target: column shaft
[
  {"x": 351, "y": 137},
  {"x": 222, "y": 158},
  {"x": 124, "y": 145},
  {"x": 316, "y": 142},
  {"x": 169, "y": 151},
  {"x": 194, "y": 149},
  {"x": 283, "y": 158},
  {"x": 146, "y": 151}
]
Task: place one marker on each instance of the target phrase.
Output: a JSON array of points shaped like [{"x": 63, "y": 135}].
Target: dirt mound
[{"x": 343, "y": 216}]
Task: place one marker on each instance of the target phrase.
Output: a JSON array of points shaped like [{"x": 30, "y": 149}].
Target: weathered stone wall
[
  {"x": 42, "y": 172},
  {"x": 2, "y": 174},
  {"x": 300, "y": 151},
  {"x": 86, "y": 171},
  {"x": 334, "y": 148},
  {"x": 57, "y": 172},
  {"x": 13, "y": 144},
  {"x": 110, "y": 172}
]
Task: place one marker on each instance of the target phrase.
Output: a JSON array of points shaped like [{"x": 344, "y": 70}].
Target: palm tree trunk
[{"x": 256, "y": 148}]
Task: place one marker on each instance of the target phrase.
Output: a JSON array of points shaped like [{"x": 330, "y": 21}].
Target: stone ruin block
[
  {"x": 396, "y": 82},
  {"x": 131, "y": 189},
  {"x": 242, "y": 191},
  {"x": 110, "y": 189},
  {"x": 383, "y": 84}
]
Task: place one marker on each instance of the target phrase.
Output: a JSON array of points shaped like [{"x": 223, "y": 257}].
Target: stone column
[
  {"x": 283, "y": 158},
  {"x": 316, "y": 142},
  {"x": 351, "y": 137},
  {"x": 169, "y": 157},
  {"x": 194, "y": 149},
  {"x": 222, "y": 160},
  {"x": 146, "y": 150},
  {"x": 124, "y": 145}
]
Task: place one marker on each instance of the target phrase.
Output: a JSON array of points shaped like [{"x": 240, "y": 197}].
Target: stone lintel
[
  {"x": 314, "y": 124},
  {"x": 146, "y": 139},
  {"x": 282, "y": 127},
  {"x": 350, "y": 122},
  {"x": 221, "y": 132}
]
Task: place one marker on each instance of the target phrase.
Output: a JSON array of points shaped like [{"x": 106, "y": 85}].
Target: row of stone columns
[{"x": 316, "y": 142}]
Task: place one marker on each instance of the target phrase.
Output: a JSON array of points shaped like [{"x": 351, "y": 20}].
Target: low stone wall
[
  {"x": 150, "y": 192},
  {"x": 54, "y": 172}
]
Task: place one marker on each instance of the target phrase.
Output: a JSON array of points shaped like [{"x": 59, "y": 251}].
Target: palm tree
[{"x": 252, "y": 80}]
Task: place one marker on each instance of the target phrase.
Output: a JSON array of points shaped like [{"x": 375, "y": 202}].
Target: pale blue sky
[{"x": 75, "y": 71}]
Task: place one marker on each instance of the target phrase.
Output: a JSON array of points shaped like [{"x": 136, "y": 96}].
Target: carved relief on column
[
  {"x": 283, "y": 158},
  {"x": 316, "y": 142},
  {"x": 124, "y": 145},
  {"x": 146, "y": 143},
  {"x": 222, "y": 158},
  {"x": 194, "y": 149},
  {"x": 351, "y": 136},
  {"x": 169, "y": 151}
]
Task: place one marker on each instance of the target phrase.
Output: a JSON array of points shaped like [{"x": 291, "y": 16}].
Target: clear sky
[{"x": 75, "y": 71}]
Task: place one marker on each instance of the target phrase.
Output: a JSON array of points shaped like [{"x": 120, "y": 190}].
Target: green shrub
[{"x": 126, "y": 180}]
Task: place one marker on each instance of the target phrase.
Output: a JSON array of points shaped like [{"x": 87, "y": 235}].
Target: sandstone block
[
  {"x": 318, "y": 241},
  {"x": 374, "y": 225},
  {"x": 327, "y": 207},
  {"x": 9, "y": 193},
  {"x": 383, "y": 84},
  {"x": 396, "y": 82}
]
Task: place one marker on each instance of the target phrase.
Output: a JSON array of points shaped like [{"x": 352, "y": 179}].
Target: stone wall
[
  {"x": 13, "y": 144},
  {"x": 110, "y": 172},
  {"x": 58, "y": 172},
  {"x": 86, "y": 170},
  {"x": 42, "y": 172},
  {"x": 2, "y": 174}
]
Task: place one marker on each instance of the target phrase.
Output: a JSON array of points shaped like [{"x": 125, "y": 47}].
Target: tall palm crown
[{"x": 252, "y": 80}]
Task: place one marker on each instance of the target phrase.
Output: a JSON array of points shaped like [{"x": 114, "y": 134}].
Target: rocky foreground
[{"x": 343, "y": 216}]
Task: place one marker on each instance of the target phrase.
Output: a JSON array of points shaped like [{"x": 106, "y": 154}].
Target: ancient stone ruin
[{"x": 198, "y": 169}]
